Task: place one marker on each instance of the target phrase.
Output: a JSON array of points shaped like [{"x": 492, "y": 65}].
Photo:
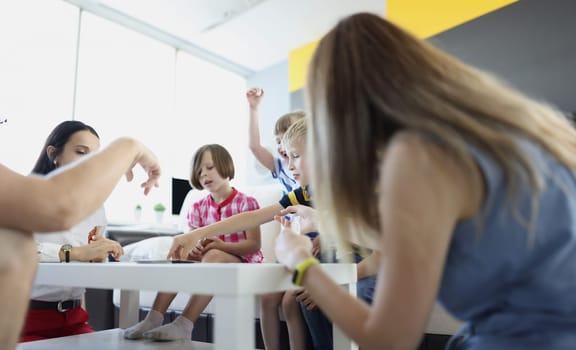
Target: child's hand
[
  {"x": 316, "y": 249},
  {"x": 303, "y": 297},
  {"x": 307, "y": 217},
  {"x": 198, "y": 249},
  {"x": 211, "y": 243},
  {"x": 254, "y": 96},
  {"x": 182, "y": 246},
  {"x": 291, "y": 248}
]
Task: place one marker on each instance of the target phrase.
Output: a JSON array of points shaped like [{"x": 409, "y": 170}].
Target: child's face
[
  {"x": 297, "y": 161},
  {"x": 208, "y": 175},
  {"x": 280, "y": 146},
  {"x": 80, "y": 144}
]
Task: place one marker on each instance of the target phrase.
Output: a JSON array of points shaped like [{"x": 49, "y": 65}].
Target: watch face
[{"x": 66, "y": 247}]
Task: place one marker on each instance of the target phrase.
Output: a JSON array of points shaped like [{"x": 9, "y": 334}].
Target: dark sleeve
[{"x": 292, "y": 198}]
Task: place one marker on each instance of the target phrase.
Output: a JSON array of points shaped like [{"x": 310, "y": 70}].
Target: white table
[
  {"x": 235, "y": 286},
  {"x": 110, "y": 339}
]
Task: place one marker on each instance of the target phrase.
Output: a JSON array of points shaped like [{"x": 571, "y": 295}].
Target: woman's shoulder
[{"x": 417, "y": 147}]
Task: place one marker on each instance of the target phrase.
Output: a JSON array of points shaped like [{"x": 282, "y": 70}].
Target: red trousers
[{"x": 46, "y": 324}]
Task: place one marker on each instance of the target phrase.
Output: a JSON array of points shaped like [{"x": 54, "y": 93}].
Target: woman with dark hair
[
  {"x": 58, "y": 311},
  {"x": 54, "y": 145},
  {"x": 465, "y": 186},
  {"x": 57, "y": 201}
]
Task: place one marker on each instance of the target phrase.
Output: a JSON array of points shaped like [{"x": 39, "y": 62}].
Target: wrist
[
  {"x": 299, "y": 256},
  {"x": 65, "y": 253},
  {"x": 301, "y": 268}
]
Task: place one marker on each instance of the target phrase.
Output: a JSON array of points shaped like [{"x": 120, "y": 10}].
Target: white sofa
[{"x": 157, "y": 248}]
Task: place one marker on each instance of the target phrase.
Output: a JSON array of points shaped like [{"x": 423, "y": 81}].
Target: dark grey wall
[{"x": 531, "y": 44}]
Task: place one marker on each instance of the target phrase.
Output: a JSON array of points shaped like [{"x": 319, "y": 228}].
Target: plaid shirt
[{"x": 206, "y": 212}]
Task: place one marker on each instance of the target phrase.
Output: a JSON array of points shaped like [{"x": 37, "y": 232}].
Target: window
[{"x": 37, "y": 70}]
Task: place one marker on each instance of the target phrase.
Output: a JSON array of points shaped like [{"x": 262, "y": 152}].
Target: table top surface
[
  {"x": 217, "y": 278},
  {"x": 165, "y": 229},
  {"x": 111, "y": 339}
]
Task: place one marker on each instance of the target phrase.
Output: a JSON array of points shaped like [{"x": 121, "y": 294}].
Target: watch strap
[
  {"x": 301, "y": 268},
  {"x": 66, "y": 248}
]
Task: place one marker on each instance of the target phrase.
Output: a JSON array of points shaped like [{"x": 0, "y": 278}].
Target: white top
[
  {"x": 48, "y": 248},
  {"x": 284, "y": 177}
]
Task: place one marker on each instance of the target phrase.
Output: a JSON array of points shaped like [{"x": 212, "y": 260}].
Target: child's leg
[
  {"x": 182, "y": 326},
  {"x": 297, "y": 331},
  {"x": 153, "y": 319},
  {"x": 319, "y": 326},
  {"x": 269, "y": 320}
]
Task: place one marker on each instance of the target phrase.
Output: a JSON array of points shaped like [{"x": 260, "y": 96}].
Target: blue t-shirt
[{"x": 516, "y": 289}]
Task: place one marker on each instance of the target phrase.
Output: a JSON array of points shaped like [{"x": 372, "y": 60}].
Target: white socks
[
  {"x": 151, "y": 328},
  {"x": 179, "y": 329},
  {"x": 152, "y": 320}
]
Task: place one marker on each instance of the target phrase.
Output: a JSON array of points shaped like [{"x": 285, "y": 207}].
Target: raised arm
[
  {"x": 262, "y": 154},
  {"x": 58, "y": 202},
  {"x": 183, "y": 244}
]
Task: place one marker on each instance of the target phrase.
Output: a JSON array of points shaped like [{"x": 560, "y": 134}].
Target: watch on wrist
[
  {"x": 66, "y": 248},
  {"x": 301, "y": 269}
]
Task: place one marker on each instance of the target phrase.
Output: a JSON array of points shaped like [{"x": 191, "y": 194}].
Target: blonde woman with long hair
[{"x": 465, "y": 186}]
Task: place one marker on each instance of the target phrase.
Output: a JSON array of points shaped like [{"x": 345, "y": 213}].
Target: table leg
[
  {"x": 234, "y": 322},
  {"x": 341, "y": 340},
  {"x": 129, "y": 308}
]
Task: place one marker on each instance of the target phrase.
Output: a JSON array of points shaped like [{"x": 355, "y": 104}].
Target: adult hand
[
  {"x": 307, "y": 217},
  {"x": 151, "y": 166},
  {"x": 291, "y": 248},
  {"x": 97, "y": 251},
  {"x": 95, "y": 232},
  {"x": 254, "y": 96}
]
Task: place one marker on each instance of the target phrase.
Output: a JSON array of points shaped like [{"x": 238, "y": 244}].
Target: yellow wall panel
[
  {"x": 425, "y": 18},
  {"x": 298, "y": 65}
]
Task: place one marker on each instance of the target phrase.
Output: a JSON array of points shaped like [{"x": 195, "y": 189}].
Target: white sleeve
[{"x": 48, "y": 252}]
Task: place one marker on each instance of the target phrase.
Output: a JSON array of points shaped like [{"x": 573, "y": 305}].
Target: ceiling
[{"x": 242, "y": 35}]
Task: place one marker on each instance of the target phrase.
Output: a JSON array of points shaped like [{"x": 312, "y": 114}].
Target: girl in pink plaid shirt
[{"x": 212, "y": 169}]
